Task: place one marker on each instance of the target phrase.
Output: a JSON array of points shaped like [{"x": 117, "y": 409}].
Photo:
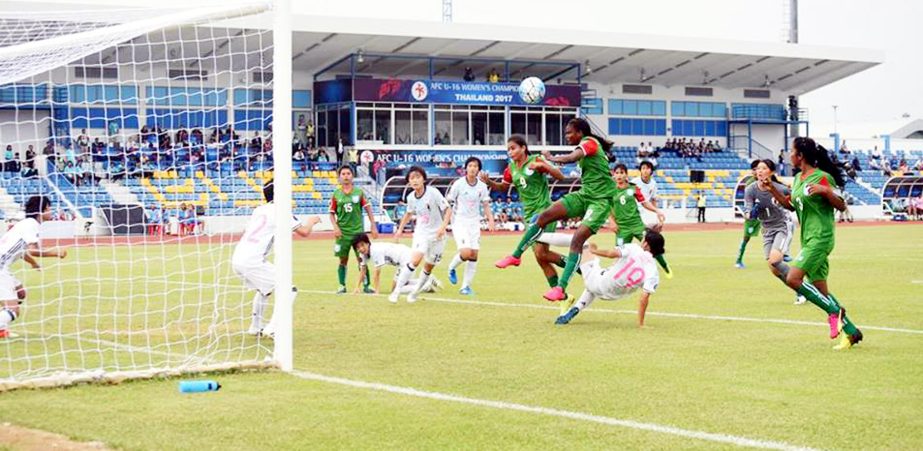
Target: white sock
[
  {"x": 585, "y": 300},
  {"x": 6, "y": 317},
  {"x": 260, "y": 302},
  {"x": 272, "y": 321},
  {"x": 421, "y": 282},
  {"x": 408, "y": 288},
  {"x": 470, "y": 269},
  {"x": 456, "y": 260},
  {"x": 402, "y": 278},
  {"x": 556, "y": 239}
]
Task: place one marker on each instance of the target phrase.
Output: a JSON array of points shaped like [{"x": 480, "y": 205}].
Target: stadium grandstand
[{"x": 383, "y": 95}]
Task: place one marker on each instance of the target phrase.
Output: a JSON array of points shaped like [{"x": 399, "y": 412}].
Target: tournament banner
[
  {"x": 436, "y": 163},
  {"x": 458, "y": 92}
]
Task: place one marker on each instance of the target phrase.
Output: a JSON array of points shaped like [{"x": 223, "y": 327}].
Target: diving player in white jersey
[
  {"x": 21, "y": 241},
  {"x": 249, "y": 259},
  {"x": 380, "y": 254},
  {"x": 635, "y": 269},
  {"x": 648, "y": 187},
  {"x": 467, "y": 196},
  {"x": 432, "y": 214}
]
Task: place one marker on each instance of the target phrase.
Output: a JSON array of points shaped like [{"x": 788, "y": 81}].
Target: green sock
[
  {"x": 552, "y": 281},
  {"x": 814, "y": 295},
  {"x": 573, "y": 261},
  {"x": 663, "y": 263},
  {"x": 848, "y": 326},
  {"x": 743, "y": 247},
  {"x": 532, "y": 234},
  {"x": 341, "y": 275}
]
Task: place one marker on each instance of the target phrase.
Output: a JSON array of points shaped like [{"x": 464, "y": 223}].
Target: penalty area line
[
  {"x": 548, "y": 411},
  {"x": 791, "y": 322}
]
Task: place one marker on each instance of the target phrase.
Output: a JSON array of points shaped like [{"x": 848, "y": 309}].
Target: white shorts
[
  {"x": 260, "y": 277},
  {"x": 430, "y": 247},
  {"x": 649, "y": 218},
  {"x": 594, "y": 281},
  {"x": 8, "y": 286},
  {"x": 467, "y": 235}
]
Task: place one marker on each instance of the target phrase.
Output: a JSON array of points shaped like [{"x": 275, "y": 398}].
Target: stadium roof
[{"x": 613, "y": 57}]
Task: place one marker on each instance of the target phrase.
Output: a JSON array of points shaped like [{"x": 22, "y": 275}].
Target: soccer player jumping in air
[
  {"x": 593, "y": 202},
  {"x": 529, "y": 174},
  {"x": 814, "y": 197}
]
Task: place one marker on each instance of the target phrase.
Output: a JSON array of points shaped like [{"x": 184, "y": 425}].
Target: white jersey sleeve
[
  {"x": 256, "y": 242},
  {"x": 16, "y": 241}
]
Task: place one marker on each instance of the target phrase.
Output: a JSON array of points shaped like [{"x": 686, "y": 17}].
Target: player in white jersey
[
  {"x": 250, "y": 263},
  {"x": 648, "y": 187},
  {"x": 432, "y": 214},
  {"x": 379, "y": 254},
  {"x": 634, "y": 269},
  {"x": 21, "y": 241},
  {"x": 468, "y": 196}
]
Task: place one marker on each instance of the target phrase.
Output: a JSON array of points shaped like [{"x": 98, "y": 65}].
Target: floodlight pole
[{"x": 282, "y": 178}]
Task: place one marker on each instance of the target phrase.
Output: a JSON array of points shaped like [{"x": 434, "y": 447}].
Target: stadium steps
[{"x": 120, "y": 194}]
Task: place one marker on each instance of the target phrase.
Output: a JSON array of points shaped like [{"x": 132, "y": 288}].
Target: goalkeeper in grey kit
[{"x": 777, "y": 223}]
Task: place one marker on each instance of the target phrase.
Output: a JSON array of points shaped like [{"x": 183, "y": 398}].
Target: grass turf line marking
[
  {"x": 579, "y": 416},
  {"x": 649, "y": 313}
]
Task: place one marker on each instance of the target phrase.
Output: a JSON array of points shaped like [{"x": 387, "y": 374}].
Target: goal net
[{"x": 150, "y": 133}]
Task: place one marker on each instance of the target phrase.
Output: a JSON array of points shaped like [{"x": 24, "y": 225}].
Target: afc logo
[{"x": 419, "y": 91}]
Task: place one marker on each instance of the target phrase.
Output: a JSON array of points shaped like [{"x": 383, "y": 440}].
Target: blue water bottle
[{"x": 198, "y": 386}]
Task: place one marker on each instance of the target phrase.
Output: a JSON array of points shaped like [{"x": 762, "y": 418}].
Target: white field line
[
  {"x": 649, "y": 313},
  {"x": 547, "y": 411}
]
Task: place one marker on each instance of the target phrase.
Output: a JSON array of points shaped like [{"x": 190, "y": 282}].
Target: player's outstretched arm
[
  {"x": 544, "y": 167},
  {"x": 828, "y": 193},
  {"x": 400, "y": 227},
  {"x": 371, "y": 214},
  {"x": 495, "y": 186},
  {"x": 653, "y": 208},
  {"x": 31, "y": 261},
  {"x": 304, "y": 230},
  {"x": 642, "y": 307},
  {"x": 608, "y": 253},
  {"x": 575, "y": 155},
  {"x": 34, "y": 251},
  {"x": 783, "y": 200}
]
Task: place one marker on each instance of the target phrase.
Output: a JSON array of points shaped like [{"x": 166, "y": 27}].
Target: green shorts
[
  {"x": 625, "y": 237},
  {"x": 342, "y": 245},
  {"x": 529, "y": 215},
  {"x": 594, "y": 211},
  {"x": 813, "y": 261},
  {"x": 751, "y": 228}
]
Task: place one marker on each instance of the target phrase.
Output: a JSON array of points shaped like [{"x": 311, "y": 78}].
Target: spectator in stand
[
  {"x": 700, "y": 203},
  {"x": 15, "y": 165},
  {"x": 886, "y": 167},
  {"x": 322, "y": 155},
  {"x": 310, "y": 143},
  {"x": 876, "y": 154},
  {"x": 191, "y": 224},
  {"x": 71, "y": 173},
  {"x": 83, "y": 141},
  {"x": 717, "y": 146},
  {"x": 780, "y": 166},
  {"x": 154, "y": 220},
  {"x": 49, "y": 150},
  {"x": 919, "y": 165},
  {"x": 301, "y": 131},
  {"x": 353, "y": 158},
  {"x": 7, "y": 158},
  {"x": 85, "y": 171},
  {"x": 709, "y": 147},
  {"x": 469, "y": 74},
  {"x": 903, "y": 167},
  {"x": 855, "y": 163},
  {"x": 843, "y": 149},
  {"x": 493, "y": 76}
]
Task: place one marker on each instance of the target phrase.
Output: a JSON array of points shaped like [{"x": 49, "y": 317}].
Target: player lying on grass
[
  {"x": 432, "y": 214},
  {"x": 634, "y": 269},
  {"x": 394, "y": 254},
  {"x": 815, "y": 194},
  {"x": 21, "y": 241},
  {"x": 250, "y": 263},
  {"x": 529, "y": 174},
  {"x": 777, "y": 223}
]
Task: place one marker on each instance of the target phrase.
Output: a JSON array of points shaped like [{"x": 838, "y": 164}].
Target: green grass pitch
[{"x": 756, "y": 379}]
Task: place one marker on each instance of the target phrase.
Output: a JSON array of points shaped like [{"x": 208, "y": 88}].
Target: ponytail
[
  {"x": 583, "y": 126},
  {"x": 818, "y": 157}
]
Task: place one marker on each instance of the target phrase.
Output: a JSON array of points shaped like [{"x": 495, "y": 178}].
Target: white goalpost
[{"x": 151, "y": 133}]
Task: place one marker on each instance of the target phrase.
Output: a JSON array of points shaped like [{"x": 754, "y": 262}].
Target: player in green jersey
[
  {"x": 593, "y": 202},
  {"x": 346, "y": 207},
  {"x": 814, "y": 196},
  {"x": 628, "y": 223},
  {"x": 751, "y": 226},
  {"x": 529, "y": 174}
]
